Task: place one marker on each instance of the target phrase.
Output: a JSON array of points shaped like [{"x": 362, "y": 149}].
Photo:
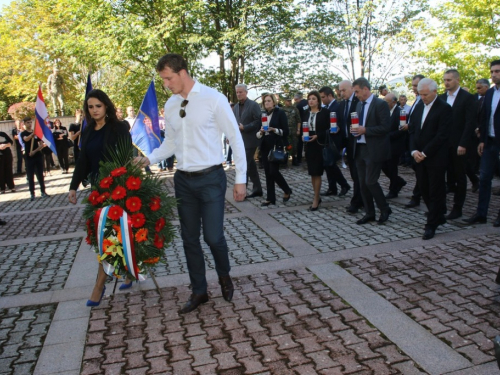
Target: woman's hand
[
  {"x": 271, "y": 129},
  {"x": 262, "y": 131},
  {"x": 72, "y": 196},
  {"x": 313, "y": 138}
]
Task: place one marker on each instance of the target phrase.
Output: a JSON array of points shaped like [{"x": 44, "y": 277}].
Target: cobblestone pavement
[
  {"x": 22, "y": 333},
  {"x": 36, "y": 267},
  {"x": 283, "y": 319},
  {"x": 279, "y": 323},
  {"x": 247, "y": 244},
  {"x": 447, "y": 288}
]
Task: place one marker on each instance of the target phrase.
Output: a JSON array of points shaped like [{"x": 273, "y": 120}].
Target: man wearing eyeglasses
[{"x": 196, "y": 116}]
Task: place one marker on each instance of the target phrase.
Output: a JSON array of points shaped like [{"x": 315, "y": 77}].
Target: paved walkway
[{"x": 315, "y": 293}]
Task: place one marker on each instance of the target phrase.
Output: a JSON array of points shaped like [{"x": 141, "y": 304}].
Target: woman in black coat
[
  {"x": 6, "y": 176},
  {"x": 318, "y": 119},
  {"x": 62, "y": 147},
  {"x": 104, "y": 130},
  {"x": 276, "y": 134}
]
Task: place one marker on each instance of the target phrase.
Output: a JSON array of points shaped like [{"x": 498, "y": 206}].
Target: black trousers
[
  {"x": 252, "y": 172},
  {"x": 273, "y": 175},
  {"x": 356, "y": 200},
  {"x": 335, "y": 176},
  {"x": 62, "y": 154},
  {"x": 34, "y": 166},
  {"x": 432, "y": 184},
  {"x": 369, "y": 173},
  {"x": 76, "y": 152},
  {"x": 390, "y": 169},
  {"x": 6, "y": 176},
  {"x": 457, "y": 170},
  {"x": 20, "y": 158}
]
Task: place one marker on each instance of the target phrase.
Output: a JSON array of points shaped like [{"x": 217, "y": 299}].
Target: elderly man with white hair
[{"x": 429, "y": 133}]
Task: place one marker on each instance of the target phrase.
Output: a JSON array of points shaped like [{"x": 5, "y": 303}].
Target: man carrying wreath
[{"x": 195, "y": 118}]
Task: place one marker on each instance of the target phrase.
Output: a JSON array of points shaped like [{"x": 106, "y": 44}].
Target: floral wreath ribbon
[{"x": 127, "y": 243}]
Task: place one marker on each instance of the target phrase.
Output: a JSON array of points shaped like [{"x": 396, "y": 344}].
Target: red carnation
[
  {"x": 133, "y": 183},
  {"x": 93, "y": 198},
  {"x": 106, "y": 182},
  {"x": 133, "y": 204},
  {"x": 155, "y": 204},
  {"x": 118, "y": 193},
  {"x": 160, "y": 224},
  {"x": 104, "y": 196},
  {"x": 158, "y": 242},
  {"x": 118, "y": 171},
  {"x": 115, "y": 212},
  {"x": 138, "y": 220}
]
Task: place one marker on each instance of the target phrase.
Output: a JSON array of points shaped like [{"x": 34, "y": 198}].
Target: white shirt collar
[
  {"x": 454, "y": 93},
  {"x": 428, "y": 106}
]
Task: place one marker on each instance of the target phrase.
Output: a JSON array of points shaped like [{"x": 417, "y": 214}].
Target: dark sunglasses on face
[{"x": 182, "y": 112}]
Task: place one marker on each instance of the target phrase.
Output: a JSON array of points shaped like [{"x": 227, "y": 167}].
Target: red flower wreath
[
  {"x": 118, "y": 171},
  {"x": 115, "y": 212},
  {"x": 160, "y": 224},
  {"x": 155, "y": 204},
  {"x": 106, "y": 182},
  {"x": 138, "y": 220},
  {"x": 133, "y": 183},
  {"x": 133, "y": 204},
  {"x": 158, "y": 242},
  {"x": 104, "y": 196},
  {"x": 93, "y": 198},
  {"x": 141, "y": 235},
  {"x": 119, "y": 193}
]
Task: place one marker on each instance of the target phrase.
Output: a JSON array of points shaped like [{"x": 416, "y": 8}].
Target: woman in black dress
[
  {"x": 318, "y": 119},
  {"x": 275, "y": 135},
  {"x": 6, "y": 176},
  {"x": 62, "y": 147},
  {"x": 104, "y": 130}
]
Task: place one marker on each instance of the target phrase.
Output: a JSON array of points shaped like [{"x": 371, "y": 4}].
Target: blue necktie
[
  {"x": 346, "y": 120},
  {"x": 362, "y": 115}
]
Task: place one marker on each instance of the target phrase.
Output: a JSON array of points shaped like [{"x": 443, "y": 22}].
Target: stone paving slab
[
  {"x": 447, "y": 288},
  {"x": 279, "y": 323},
  {"x": 332, "y": 229},
  {"x": 36, "y": 267},
  {"x": 247, "y": 244},
  {"x": 22, "y": 334}
]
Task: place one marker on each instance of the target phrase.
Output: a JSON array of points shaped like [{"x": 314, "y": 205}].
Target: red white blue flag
[{"x": 42, "y": 129}]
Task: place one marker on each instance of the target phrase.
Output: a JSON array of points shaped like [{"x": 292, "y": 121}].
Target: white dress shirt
[
  {"x": 368, "y": 101},
  {"x": 450, "y": 97},
  {"x": 406, "y": 108},
  {"x": 494, "y": 105},
  {"x": 427, "y": 108},
  {"x": 195, "y": 139}
]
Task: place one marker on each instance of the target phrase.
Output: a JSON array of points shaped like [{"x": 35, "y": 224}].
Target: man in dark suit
[
  {"x": 429, "y": 132},
  {"x": 333, "y": 173},
  {"x": 461, "y": 137},
  {"x": 398, "y": 142},
  {"x": 346, "y": 107},
  {"x": 415, "y": 198},
  {"x": 301, "y": 105},
  {"x": 489, "y": 146},
  {"x": 248, "y": 116},
  {"x": 371, "y": 149}
]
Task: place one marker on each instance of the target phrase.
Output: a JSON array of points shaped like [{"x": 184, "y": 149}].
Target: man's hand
[
  {"x": 404, "y": 128},
  {"x": 418, "y": 156},
  {"x": 141, "y": 161},
  {"x": 72, "y": 196},
  {"x": 241, "y": 127},
  {"x": 480, "y": 149},
  {"x": 239, "y": 192},
  {"x": 461, "y": 151},
  {"x": 298, "y": 132},
  {"x": 360, "y": 130}
]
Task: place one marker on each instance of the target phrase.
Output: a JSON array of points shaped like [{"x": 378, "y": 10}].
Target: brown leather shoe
[
  {"x": 194, "y": 301},
  {"x": 227, "y": 287}
]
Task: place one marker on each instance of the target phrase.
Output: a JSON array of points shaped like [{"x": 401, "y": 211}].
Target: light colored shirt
[
  {"x": 130, "y": 120},
  {"x": 368, "y": 101},
  {"x": 195, "y": 139},
  {"x": 494, "y": 105},
  {"x": 451, "y": 96},
  {"x": 406, "y": 108},
  {"x": 427, "y": 108},
  {"x": 412, "y": 108}
]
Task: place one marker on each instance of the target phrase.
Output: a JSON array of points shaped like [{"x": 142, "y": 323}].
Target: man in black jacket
[
  {"x": 371, "y": 149},
  {"x": 429, "y": 132},
  {"x": 461, "y": 137}
]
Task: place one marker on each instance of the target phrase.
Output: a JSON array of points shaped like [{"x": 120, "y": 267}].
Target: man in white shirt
[
  {"x": 195, "y": 118},
  {"x": 402, "y": 104},
  {"x": 130, "y": 115}
]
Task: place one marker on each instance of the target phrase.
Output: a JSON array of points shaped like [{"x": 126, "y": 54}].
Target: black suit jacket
[
  {"x": 251, "y": 120},
  {"x": 432, "y": 137},
  {"x": 322, "y": 124},
  {"x": 396, "y": 136},
  {"x": 337, "y": 138},
  {"x": 464, "y": 119},
  {"x": 279, "y": 121},
  {"x": 377, "y": 124},
  {"x": 485, "y": 118},
  {"x": 345, "y": 124}
]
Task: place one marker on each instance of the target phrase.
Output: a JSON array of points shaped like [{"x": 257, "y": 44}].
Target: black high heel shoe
[
  {"x": 286, "y": 199},
  {"x": 266, "y": 203},
  {"x": 315, "y": 208}
]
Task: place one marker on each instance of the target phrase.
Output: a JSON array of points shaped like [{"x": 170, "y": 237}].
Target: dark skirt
[{"x": 314, "y": 157}]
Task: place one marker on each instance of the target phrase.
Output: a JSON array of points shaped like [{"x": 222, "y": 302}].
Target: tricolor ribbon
[{"x": 127, "y": 243}]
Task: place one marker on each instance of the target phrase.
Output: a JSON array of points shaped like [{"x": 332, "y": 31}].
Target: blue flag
[
  {"x": 145, "y": 131},
  {"x": 84, "y": 123}
]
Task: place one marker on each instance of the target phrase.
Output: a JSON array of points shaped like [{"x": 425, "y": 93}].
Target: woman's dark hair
[
  {"x": 104, "y": 99},
  {"x": 60, "y": 124},
  {"x": 316, "y": 94}
]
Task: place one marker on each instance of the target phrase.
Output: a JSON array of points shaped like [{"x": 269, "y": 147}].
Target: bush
[
  {"x": 4, "y": 115},
  {"x": 21, "y": 110}
]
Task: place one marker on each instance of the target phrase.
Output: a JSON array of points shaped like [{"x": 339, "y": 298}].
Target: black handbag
[
  {"x": 330, "y": 152},
  {"x": 278, "y": 154}
]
